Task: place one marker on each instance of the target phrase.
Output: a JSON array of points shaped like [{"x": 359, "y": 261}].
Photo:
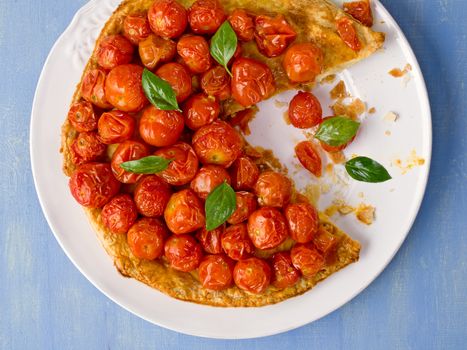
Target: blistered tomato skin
[
  {"x": 207, "y": 179},
  {"x": 303, "y": 62},
  {"x": 242, "y": 24},
  {"x": 194, "y": 50},
  {"x": 167, "y": 18},
  {"x": 273, "y": 189},
  {"x": 217, "y": 143},
  {"x": 93, "y": 88},
  {"x": 115, "y": 127},
  {"x": 216, "y": 82},
  {"x": 184, "y": 212},
  {"x": 244, "y": 173},
  {"x": 154, "y": 50},
  {"x": 160, "y": 128},
  {"x": 113, "y": 51},
  {"x": 360, "y": 10},
  {"x": 348, "y": 34},
  {"x": 123, "y": 88},
  {"x": 252, "y": 81},
  {"x": 146, "y": 238},
  {"x": 119, "y": 214},
  {"x": 305, "y": 110},
  {"x": 307, "y": 259},
  {"x": 236, "y": 243},
  {"x": 211, "y": 240},
  {"x": 205, "y": 16},
  {"x": 303, "y": 221},
  {"x": 151, "y": 196},
  {"x": 126, "y": 151},
  {"x": 284, "y": 273},
  {"x": 215, "y": 272},
  {"x": 93, "y": 185},
  {"x": 246, "y": 204},
  {"x": 136, "y": 28},
  {"x": 183, "y": 252},
  {"x": 273, "y": 35},
  {"x": 200, "y": 110},
  {"x": 183, "y": 167},
  {"x": 82, "y": 117},
  {"x": 309, "y": 157},
  {"x": 252, "y": 275},
  {"x": 87, "y": 148},
  {"x": 267, "y": 228},
  {"x": 178, "y": 77}
]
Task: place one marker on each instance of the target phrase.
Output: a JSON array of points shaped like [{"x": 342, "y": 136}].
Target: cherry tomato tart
[
  {"x": 305, "y": 110},
  {"x": 236, "y": 243},
  {"x": 307, "y": 259},
  {"x": 303, "y": 62},
  {"x": 183, "y": 167},
  {"x": 252, "y": 275},
  {"x": 273, "y": 189},
  {"x": 178, "y": 77},
  {"x": 167, "y": 18},
  {"x": 183, "y": 252},
  {"x": 200, "y": 110},
  {"x": 246, "y": 204},
  {"x": 146, "y": 238},
  {"x": 302, "y": 219},
  {"x": 216, "y": 82},
  {"x": 194, "y": 50},
  {"x": 136, "y": 28},
  {"x": 208, "y": 178},
  {"x": 93, "y": 88},
  {"x": 273, "y": 34},
  {"x": 184, "y": 212},
  {"x": 126, "y": 151},
  {"x": 215, "y": 272},
  {"x": 205, "y": 16},
  {"x": 87, "y": 148},
  {"x": 155, "y": 50},
  {"x": 113, "y": 51},
  {"x": 211, "y": 240},
  {"x": 151, "y": 196},
  {"x": 81, "y": 115},
  {"x": 119, "y": 214},
  {"x": 244, "y": 174},
  {"x": 284, "y": 274},
  {"x": 115, "y": 127},
  {"x": 267, "y": 228},
  {"x": 242, "y": 24},
  {"x": 160, "y": 128}
]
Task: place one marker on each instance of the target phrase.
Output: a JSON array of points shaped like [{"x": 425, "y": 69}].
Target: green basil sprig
[
  {"x": 223, "y": 45},
  {"x": 159, "y": 92},
  {"x": 367, "y": 170},
  {"x": 146, "y": 165},
  {"x": 220, "y": 205},
  {"x": 337, "y": 131}
]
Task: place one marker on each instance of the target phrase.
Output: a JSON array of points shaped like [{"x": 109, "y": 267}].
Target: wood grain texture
[{"x": 419, "y": 302}]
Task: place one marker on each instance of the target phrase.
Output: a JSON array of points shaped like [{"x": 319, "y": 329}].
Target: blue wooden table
[{"x": 419, "y": 301}]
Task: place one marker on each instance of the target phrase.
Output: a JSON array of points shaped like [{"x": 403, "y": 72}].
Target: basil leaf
[
  {"x": 220, "y": 205},
  {"x": 223, "y": 45},
  {"x": 337, "y": 131},
  {"x": 367, "y": 170},
  {"x": 159, "y": 92},
  {"x": 146, "y": 165}
]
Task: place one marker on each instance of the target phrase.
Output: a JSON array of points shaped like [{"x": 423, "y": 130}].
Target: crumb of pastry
[
  {"x": 372, "y": 110},
  {"x": 329, "y": 79},
  {"x": 412, "y": 161},
  {"x": 391, "y": 117},
  {"x": 398, "y": 73},
  {"x": 365, "y": 213},
  {"x": 387, "y": 133},
  {"x": 353, "y": 110},
  {"x": 339, "y": 91}
]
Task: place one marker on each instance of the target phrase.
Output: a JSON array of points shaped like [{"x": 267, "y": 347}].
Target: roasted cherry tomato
[
  {"x": 126, "y": 151},
  {"x": 194, "y": 50},
  {"x": 123, "y": 88},
  {"x": 215, "y": 272},
  {"x": 217, "y": 143},
  {"x": 167, "y": 18},
  {"x": 348, "y": 34},
  {"x": 93, "y": 88},
  {"x": 183, "y": 252},
  {"x": 361, "y": 11},
  {"x": 205, "y": 16},
  {"x": 146, "y": 238},
  {"x": 87, "y": 148},
  {"x": 136, "y": 28},
  {"x": 183, "y": 167},
  {"x": 284, "y": 273},
  {"x": 151, "y": 196},
  {"x": 200, "y": 110},
  {"x": 307, "y": 259},
  {"x": 252, "y": 275},
  {"x": 242, "y": 24},
  {"x": 236, "y": 243},
  {"x": 178, "y": 77},
  {"x": 184, "y": 212},
  {"x": 115, "y": 127},
  {"x": 82, "y": 117},
  {"x": 93, "y": 185},
  {"x": 252, "y": 81},
  {"x": 119, "y": 214},
  {"x": 305, "y": 110},
  {"x": 273, "y": 34},
  {"x": 113, "y": 51},
  {"x": 208, "y": 178},
  {"x": 273, "y": 189},
  {"x": 244, "y": 173},
  {"x": 211, "y": 240},
  {"x": 216, "y": 82},
  {"x": 160, "y": 128},
  {"x": 325, "y": 241},
  {"x": 309, "y": 157},
  {"x": 154, "y": 50},
  {"x": 246, "y": 204},
  {"x": 267, "y": 228},
  {"x": 302, "y": 219},
  {"x": 303, "y": 62}
]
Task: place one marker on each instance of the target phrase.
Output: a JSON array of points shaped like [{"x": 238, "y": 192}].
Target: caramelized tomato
[
  {"x": 126, "y": 151},
  {"x": 123, "y": 88},
  {"x": 273, "y": 34},
  {"x": 194, "y": 50},
  {"x": 184, "y": 212},
  {"x": 211, "y": 240},
  {"x": 183, "y": 253},
  {"x": 208, "y": 178},
  {"x": 183, "y": 167},
  {"x": 200, "y": 110},
  {"x": 93, "y": 88},
  {"x": 236, "y": 243},
  {"x": 348, "y": 34},
  {"x": 267, "y": 228},
  {"x": 151, "y": 196},
  {"x": 146, "y": 238},
  {"x": 242, "y": 24},
  {"x": 302, "y": 219},
  {"x": 87, "y": 148},
  {"x": 361, "y": 11},
  {"x": 215, "y": 272},
  {"x": 115, "y": 127},
  {"x": 309, "y": 157},
  {"x": 217, "y": 143},
  {"x": 154, "y": 50},
  {"x": 82, "y": 117},
  {"x": 252, "y": 275},
  {"x": 136, "y": 28},
  {"x": 325, "y": 241},
  {"x": 205, "y": 16},
  {"x": 113, "y": 51},
  {"x": 303, "y": 62},
  {"x": 244, "y": 174},
  {"x": 119, "y": 214},
  {"x": 178, "y": 77},
  {"x": 273, "y": 189},
  {"x": 160, "y": 128},
  {"x": 284, "y": 273},
  {"x": 246, "y": 204},
  {"x": 93, "y": 185},
  {"x": 305, "y": 110},
  {"x": 167, "y": 18},
  {"x": 216, "y": 82},
  {"x": 252, "y": 81},
  {"x": 307, "y": 259}
]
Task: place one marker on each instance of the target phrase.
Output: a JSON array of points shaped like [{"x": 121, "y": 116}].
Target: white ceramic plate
[{"x": 396, "y": 201}]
